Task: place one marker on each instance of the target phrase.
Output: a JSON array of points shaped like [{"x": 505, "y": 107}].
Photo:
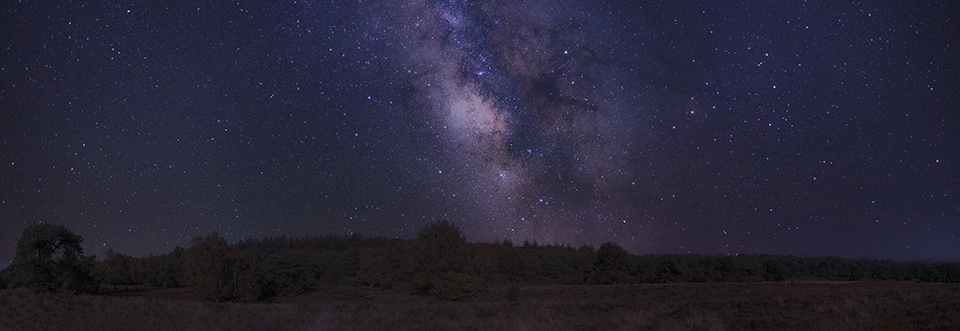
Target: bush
[
  {"x": 350, "y": 281},
  {"x": 351, "y": 289},
  {"x": 456, "y": 286},
  {"x": 351, "y": 293},
  {"x": 513, "y": 293}
]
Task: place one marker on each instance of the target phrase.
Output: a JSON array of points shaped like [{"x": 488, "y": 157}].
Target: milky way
[
  {"x": 531, "y": 109},
  {"x": 808, "y": 128}
]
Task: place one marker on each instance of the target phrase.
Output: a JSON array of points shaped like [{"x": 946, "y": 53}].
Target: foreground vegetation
[
  {"x": 438, "y": 281},
  {"x": 867, "y": 305},
  {"x": 438, "y": 262}
]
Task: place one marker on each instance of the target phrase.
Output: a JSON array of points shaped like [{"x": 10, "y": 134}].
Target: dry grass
[{"x": 767, "y": 306}]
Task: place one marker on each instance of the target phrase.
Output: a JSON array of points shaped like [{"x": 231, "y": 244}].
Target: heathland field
[{"x": 800, "y": 305}]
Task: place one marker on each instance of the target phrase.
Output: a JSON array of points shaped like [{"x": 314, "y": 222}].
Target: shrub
[
  {"x": 350, "y": 281},
  {"x": 351, "y": 293},
  {"x": 351, "y": 289},
  {"x": 513, "y": 293},
  {"x": 455, "y": 286}
]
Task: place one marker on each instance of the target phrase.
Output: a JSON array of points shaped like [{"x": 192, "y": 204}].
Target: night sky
[{"x": 787, "y": 127}]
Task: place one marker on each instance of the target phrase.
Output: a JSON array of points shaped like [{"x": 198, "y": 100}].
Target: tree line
[{"x": 439, "y": 262}]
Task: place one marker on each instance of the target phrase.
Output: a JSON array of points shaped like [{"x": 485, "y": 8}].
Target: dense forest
[{"x": 441, "y": 262}]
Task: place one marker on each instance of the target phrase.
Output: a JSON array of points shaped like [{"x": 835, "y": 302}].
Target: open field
[{"x": 715, "y": 306}]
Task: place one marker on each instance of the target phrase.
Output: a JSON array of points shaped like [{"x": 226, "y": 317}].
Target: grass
[{"x": 757, "y": 306}]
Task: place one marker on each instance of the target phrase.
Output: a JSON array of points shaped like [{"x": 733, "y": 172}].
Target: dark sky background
[{"x": 786, "y": 127}]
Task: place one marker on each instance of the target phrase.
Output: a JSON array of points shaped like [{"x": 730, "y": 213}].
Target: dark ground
[{"x": 803, "y": 305}]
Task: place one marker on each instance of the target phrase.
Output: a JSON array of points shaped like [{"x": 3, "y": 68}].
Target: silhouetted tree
[
  {"x": 207, "y": 268},
  {"x": 330, "y": 266},
  {"x": 441, "y": 262},
  {"x": 740, "y": 269},
  {"x": 5, "y": 275},
  {"x": 289, "y": 272},
  {"x": 612, "y": 265},
  {"x": 49, "y": 259},
  {"x": 440, "y": 249},
  {"x": 775, "y": 271},
  {"x": 115, "y": 269},
  {"x": 251, "y": 283},
  {"x": 161, "y": 270},
  {"x": 444, "y": 264},
  {"x": 485, "y": 260},
  {"x": 519, "y": 265}
]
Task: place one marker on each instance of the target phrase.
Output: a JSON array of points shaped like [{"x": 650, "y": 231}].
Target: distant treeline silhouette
[{"x": 440, "y": 262}]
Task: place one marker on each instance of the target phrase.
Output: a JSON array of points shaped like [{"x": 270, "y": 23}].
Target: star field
[{"x": 800, "y": 127}]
